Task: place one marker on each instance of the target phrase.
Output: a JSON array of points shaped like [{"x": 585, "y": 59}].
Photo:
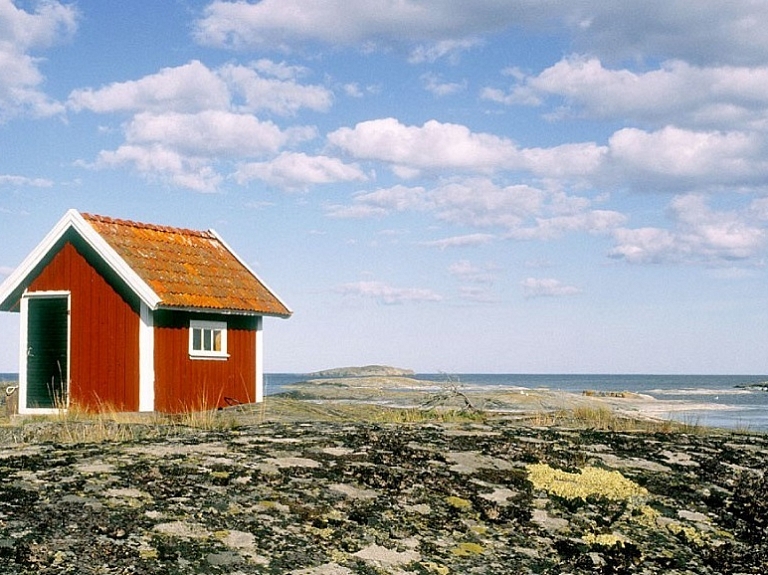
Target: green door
[{"x": 47, "y": 358}]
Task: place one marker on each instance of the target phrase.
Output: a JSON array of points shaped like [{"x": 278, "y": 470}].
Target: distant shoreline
[{"x": 727, "y": 401}]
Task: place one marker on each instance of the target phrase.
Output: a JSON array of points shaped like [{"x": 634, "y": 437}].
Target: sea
[{"x": 725, "y": 401}]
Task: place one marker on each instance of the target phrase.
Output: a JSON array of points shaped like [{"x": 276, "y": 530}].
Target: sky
[{"x": 508, "y": 186}]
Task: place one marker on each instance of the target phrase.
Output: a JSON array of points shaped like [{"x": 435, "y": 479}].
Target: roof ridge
[{"x": 144, "y": 225}]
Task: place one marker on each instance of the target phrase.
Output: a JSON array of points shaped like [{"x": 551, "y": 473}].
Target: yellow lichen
[
  {"x": 338, "y": 556},
  {"x": 322, "y": 533},
  {"x": 235, "y": 509},
  {"x": 591, "y": 481},
  {"x": 604, "y": 539},
  {"x": 467, "y": 549},
  {"x": 690, "y": 534},
  {"x": 459, "y": 503},
  {"x": 433, "y": 567},
  {"x": 334, "y": 514},
  {"x": 148, "y": 553},
  {"x": 647, "y": 515}
]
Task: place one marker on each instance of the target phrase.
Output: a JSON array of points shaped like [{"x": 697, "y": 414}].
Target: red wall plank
[
  {"x": 104, "y": 349},
  {"x": 183, "y": 384}
]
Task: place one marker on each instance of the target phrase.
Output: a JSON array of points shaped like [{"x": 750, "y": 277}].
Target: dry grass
[
  {"x": 79, "y": 424},
  {"x": 107, "y": 424},
  {"x": 208, "y": 419},
  {"x": 413, "y": 415},
  {"x": 290, "y": 409},
  {"x": 605, "y": 419}
]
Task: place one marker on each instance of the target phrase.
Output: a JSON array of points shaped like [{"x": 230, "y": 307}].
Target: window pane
[
  {"x": 196, "y": 339},
  {"x": 207, "y": 339},
  {"x": 217, "y": 340}
]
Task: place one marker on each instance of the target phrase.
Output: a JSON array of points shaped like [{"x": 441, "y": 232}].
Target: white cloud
[
  {"x": 435, "y": 85},
  {"x": 712, "y": 33},
  {"x": 662, "y": 160},
  {"x": 6, "y": 270},
  {"x": 521, "y": 211},
  {"x": 547, "y": 228},
  {"x": 353, "y": 90},
  {"x": 676, "y": 92},
  {"x": 442, "y": 49},
  {"x": 387, "y": 294},
  {"x": 443, "y": 146},
  {"x": 192, "y": 87},
  {"x": 50, "y": 23},
  {"x": 280, "y": 70},
  {"x": 198, "y": 119},
  {"x": 433, "y": 146},
  {"x": 479, "y": 202},
  {"x": 645, "y": 245},
  {"x": 297, "y": 171},
  {"x": 468, "y": 240},
  {"x": 354, "y": 211},
  {"x": 547, "y": 287},
  {"x": 156, "y": 161},
  {"x": 396, "y": 198},
  {"x": 466, "y": 271},
  {"x": 18, "y": 181},
  {"x": 518, "y": 96},
  {"x": 474, "y": 202},
  {"x": 182, "y": 149},
  {"x": 566, "y": 161},
  {"x": 657, "y": 29},
  {"x": 700, "y": 235},
  {"x": 671, "y": 156},
  {"x": 477, "y": 294},
  {"x": 759, "y": 208},
  {"x": 279, "y": 95},
  {"x": 209, "y": 134},
  {"x": 279, "y": 23},
  {"x": 22, "y": 34}
]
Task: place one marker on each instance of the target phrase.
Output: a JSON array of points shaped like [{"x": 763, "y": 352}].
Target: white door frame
[{"x": 24, "y": 350}]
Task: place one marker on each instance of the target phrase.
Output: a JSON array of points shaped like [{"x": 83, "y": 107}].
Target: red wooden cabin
[{"x": 137, "y": 317}]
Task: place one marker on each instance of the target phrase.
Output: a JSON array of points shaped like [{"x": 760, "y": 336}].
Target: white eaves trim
[
  {"x": 73, "y": 219},
  {"x": 215, "y": 234}
]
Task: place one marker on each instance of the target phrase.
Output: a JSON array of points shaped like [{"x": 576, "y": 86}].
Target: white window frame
[{"x": 204, "y": 326}]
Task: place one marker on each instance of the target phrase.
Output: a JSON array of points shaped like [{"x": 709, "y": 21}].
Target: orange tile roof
[{"x": 187, "y": 268}]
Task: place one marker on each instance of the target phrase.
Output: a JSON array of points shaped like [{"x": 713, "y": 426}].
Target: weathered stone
[{"x": 353, "y": 498}]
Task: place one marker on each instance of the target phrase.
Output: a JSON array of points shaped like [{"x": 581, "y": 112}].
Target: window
[{"x": 208, "y": 339}]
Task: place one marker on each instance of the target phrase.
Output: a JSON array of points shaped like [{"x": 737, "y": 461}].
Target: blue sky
[{"x": 489, "y": 186}]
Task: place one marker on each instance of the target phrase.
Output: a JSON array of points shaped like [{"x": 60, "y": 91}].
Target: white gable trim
[
  {"x": 73, "y": 220},
  {"x": 247, "y": 267}
]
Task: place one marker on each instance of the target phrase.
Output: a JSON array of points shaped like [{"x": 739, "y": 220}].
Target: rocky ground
[{"x": 480, "y": 495}]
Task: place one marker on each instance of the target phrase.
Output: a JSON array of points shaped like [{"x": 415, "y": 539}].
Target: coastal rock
[{"x": 358, "y": 498}]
